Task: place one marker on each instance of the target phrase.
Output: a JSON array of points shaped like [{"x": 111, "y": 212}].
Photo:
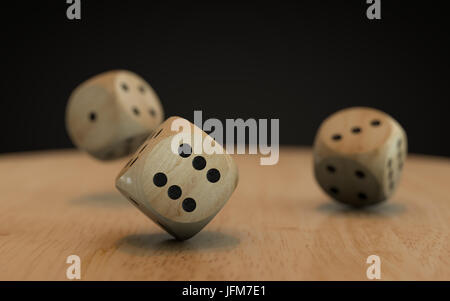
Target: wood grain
[{"x": 278, "y": 225}]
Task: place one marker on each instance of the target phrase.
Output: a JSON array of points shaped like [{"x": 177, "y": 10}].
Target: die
[
  {"x": 359, "y": 155},
  {"x": 179, "y": 188},
  {"x": 111, "y": 114}
]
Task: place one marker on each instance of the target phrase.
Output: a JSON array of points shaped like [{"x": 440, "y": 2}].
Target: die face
[
  {"x": 355, "y": 130},
  {"x": 91, "y": 118},
  {"x": 180, "y": 191},
  {"x": 361, "y": 167},
  {"x": 348, "y": 181},
  {"x": 162, "y": 132},
  {"x": 138, "y": 100},
  {"x": 394, "y": 161},
  {"x": 111, "y": 114},
  {"x": 187, "y": 188}
]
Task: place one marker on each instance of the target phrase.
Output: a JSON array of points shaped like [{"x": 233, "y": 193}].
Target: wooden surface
[{"x": 278, "y": 225}]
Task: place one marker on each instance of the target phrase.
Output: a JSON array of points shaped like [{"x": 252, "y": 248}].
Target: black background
[{"x": 296, "y": 61}]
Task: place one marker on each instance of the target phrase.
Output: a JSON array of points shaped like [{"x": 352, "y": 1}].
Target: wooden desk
[{"x": 278, "y": 225}]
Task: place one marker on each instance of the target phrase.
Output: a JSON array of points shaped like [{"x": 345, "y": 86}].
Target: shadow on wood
[
  {"x": 386, "y": 209},
  {"x": 148, "y": 244},
  {"x": 104, "y": 199}
]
